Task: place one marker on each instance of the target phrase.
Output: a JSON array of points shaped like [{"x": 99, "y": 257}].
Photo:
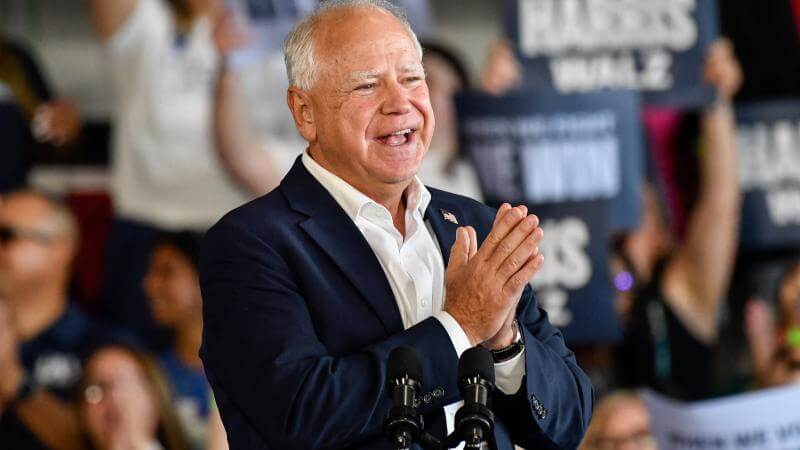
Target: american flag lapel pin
[{"x": 450, "y": 217}]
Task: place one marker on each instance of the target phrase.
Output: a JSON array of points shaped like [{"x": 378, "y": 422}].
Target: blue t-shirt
[
  {"x": 54, "y": 361},
  {"x": 54, "y": 358},
  {"x": 192, "y": 396}
]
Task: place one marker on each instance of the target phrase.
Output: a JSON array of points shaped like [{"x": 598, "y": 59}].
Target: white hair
[{"x": 298, "y": 49}]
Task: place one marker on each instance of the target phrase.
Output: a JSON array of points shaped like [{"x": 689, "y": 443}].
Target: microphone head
[
  {"x": 404, "y": 361},
  {"x": 476, "y": 361}
]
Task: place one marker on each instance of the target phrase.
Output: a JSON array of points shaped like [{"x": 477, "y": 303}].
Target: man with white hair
[{"x": 309, "y": 288}]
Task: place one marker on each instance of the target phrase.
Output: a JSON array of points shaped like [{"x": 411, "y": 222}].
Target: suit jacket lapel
[{"x": 336, "y": 234}]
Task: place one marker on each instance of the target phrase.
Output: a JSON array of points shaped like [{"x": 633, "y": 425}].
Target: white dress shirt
[{"x": 413, "y": 265}]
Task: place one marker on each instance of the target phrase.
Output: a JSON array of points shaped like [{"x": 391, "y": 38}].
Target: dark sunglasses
[{"x": 8, "y": 235}]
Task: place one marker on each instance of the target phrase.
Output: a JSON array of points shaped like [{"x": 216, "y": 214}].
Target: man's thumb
[{"x": 459, "y": 253}]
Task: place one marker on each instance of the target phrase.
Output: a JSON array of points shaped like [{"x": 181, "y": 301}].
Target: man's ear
[{"x": 302, "y": 112}]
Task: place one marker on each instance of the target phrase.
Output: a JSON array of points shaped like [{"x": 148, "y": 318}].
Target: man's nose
[{"x": 396, "y": 100}]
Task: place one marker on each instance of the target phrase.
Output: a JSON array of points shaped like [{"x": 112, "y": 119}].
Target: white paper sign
[{"x": 763, "y": 420}]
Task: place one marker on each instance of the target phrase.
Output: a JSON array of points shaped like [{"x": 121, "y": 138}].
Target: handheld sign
[
  {"x": 769, "y": 163},
  {"x": 576, "y": 161},
  {"x": 763, "y": 420},
  {"x": 655, "y": 46}
]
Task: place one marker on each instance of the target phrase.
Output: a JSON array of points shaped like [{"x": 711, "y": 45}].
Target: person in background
[
  {"x": 124, "y": 403},
  {"x": 165, "y": 172},
  {"x": 42, "y": 335},
  {"x": 774, "y": 341},
  {"x": 446, "y": 167},
  {"x": 785, "y": 366},
  {"x": 621, "y": 422},
  {"x": 679, "y": 287},
  {"x": 255, "y": 165},
  {"x": 31, "y": 115},
  {"x": 173, "y": 289}
]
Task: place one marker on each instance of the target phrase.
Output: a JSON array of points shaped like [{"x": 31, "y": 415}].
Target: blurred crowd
[{"x": 123, "y": 372}]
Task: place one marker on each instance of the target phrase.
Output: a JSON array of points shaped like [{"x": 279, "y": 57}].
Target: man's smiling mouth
[{"x": 397, "y": 138}]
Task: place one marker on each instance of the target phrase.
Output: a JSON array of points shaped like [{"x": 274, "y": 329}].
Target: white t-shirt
[{"x": 165, "y": 170}]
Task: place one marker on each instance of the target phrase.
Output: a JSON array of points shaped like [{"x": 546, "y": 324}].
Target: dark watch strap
[{"x": 506, "y": 353}]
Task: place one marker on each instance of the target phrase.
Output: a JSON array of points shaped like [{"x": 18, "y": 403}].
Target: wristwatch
[{"x": 510, "y": 352}]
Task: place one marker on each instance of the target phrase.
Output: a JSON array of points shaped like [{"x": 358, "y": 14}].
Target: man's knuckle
[{"x": 505, "y": 247}]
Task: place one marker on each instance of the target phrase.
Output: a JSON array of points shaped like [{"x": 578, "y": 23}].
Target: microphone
[
  {"x": 403, "y": 425},
  {"x": 474, "y": 420}
]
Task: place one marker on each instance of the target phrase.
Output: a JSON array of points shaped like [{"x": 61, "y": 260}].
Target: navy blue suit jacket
[{"x": 300, "y": 319}]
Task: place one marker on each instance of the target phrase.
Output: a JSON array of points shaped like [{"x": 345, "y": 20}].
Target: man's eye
[
  {"x": 413, "y": 79},
  {"x": 365, "y": 87}
]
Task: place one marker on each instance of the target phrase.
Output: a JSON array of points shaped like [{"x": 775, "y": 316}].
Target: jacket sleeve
[
  {"x": 262, "y": 355},
  {"x": 554, "y": 404}
]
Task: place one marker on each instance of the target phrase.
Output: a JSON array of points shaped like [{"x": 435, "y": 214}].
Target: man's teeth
[{"x": 397, "y": 133}]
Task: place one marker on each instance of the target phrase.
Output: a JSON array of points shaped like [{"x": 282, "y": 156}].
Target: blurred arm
[
  {"x": 698, "y": 275},
  {"x": 245, "y": 160}
]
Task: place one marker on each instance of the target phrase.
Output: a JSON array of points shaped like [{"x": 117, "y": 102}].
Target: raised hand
[{"x": 722, "y": 69}]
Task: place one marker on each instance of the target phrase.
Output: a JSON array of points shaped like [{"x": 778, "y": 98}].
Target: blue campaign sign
[
  {"x": 574, "y": 285},
  {"x": 769, "y": 162},
  {"x": 655, "y": 46},
  {"x": 577, "y": 162},
  {"x": 544, "y": 148}
]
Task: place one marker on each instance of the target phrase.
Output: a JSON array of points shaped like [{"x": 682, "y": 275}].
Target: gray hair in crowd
[{"x": 298, "y": 49}]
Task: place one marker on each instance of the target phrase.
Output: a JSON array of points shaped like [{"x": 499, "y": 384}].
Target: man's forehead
[
  {"x": 370, "y": 33},
  {"x": 25, "y": 209}
]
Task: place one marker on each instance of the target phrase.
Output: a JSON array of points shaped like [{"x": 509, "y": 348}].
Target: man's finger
[
  {"x": 473, "y": 241},
  {"x": 518, "y": 281},
  {"x": 504, "y": 208},
  {"x": 504, "y": 225},
  {"x": 525, "y": 250},
  {"x": 514, "y": 239}
]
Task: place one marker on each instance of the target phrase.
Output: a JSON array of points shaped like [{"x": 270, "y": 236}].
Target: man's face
[
  {"x": 372, "y": 116},
  {"x": 31, "y": 253}
]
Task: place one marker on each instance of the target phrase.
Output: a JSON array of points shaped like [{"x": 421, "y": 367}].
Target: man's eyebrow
[
  {"x": 415, "y": 67},
  {"x": 364, "y": 75}
]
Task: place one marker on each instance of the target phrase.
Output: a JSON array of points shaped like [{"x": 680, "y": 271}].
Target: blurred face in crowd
[
  {"x": 786, "y": 367},
  {"x": 172, "y": 287},
  {"x": 118, "y": 404},
  {"x": 35, "y": 245},
  {"x": 368, "y": 116},
  {"x": 620, "y": 423},
  {"x": 789, "y": 298},
  {"x": 443, "y": 83}
]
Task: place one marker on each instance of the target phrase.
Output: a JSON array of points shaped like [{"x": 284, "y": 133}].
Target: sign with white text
[
  {"x": 769, "y": 173},
  {"x": 655, "y": 46}
]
